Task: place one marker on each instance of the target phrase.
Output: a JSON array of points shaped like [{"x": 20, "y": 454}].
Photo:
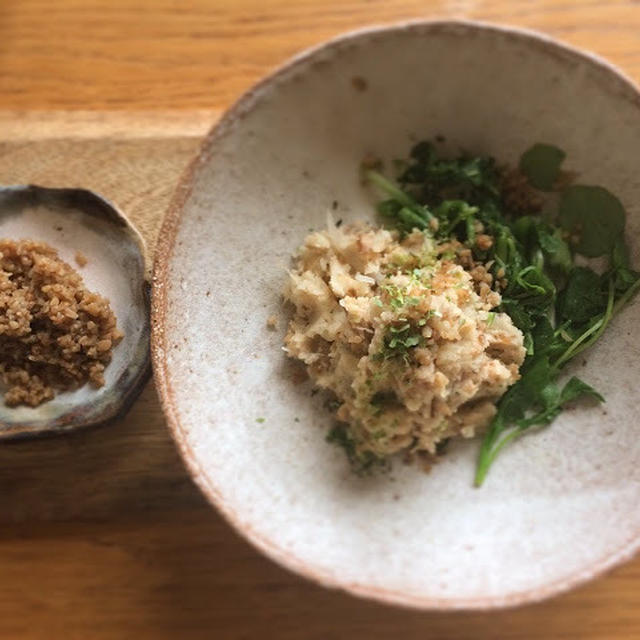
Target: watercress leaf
[
  {"x": 594, "y": 217},
  {"x": 541, "y": 164},
  {"x": 535, "y": 288},
  {"x": 546, "y": 339},
  {"x": 514, "y": 403},
  {"x": 542, "y": 243},
  {"x": 450, "y": 213},
  {"x": 624, "y": 279},
  {"x": 473, "y": 179},
  {"x": 583, "y": 297},
  {"x": 524, "y": 229},
  {"x": 527, "y": 392},
  {"x": 555, "y": 249},
  {"x": 545, "y": 416},
  {"x": 575, "y": 389},
  {"x": 519, "y": 315},
  {"x": 553, "y": 400},
  {"x": 505, "y": 247},
  {"x": 532, "y": 280},
  {"x": 620, "y": 254},
  {"x": 543, "y": 334},
  {"x": 550, "y": 395},
  {"x": 536, "y": 374}
]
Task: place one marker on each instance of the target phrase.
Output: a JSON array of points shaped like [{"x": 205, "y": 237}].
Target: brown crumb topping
[
  {"x": 518, "y": 194},
  {"x": 81, "y": 259},
  {"x": 484, "y": 241},
  {"x": 55, "y": 335}
]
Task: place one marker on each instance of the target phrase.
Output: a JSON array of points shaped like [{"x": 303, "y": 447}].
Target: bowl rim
[{"x": 623, "y": 85}]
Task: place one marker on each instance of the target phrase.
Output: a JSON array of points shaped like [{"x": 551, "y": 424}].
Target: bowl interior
[{"x": 559, "y": 505}]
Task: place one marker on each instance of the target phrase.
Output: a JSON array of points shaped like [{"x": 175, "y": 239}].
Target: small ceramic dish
[
  {"x": 76, "y": 220},
  {"x": 560, "y": 506}
]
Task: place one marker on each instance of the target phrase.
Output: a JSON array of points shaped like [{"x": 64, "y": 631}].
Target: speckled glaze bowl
[
  {"x": 72, "y": 220},
  {"x": 560, "y": 506}
]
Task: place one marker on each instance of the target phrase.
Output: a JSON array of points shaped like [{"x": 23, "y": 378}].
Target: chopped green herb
[
  {"x": 260, "y": 420},
  {"x": 398, "y": 341}
]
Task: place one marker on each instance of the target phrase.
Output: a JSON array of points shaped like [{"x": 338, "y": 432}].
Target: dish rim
[{"x": 627, "y": 88}]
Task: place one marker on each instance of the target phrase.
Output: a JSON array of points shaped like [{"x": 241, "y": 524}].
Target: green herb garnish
[
  {"x": 399, "y": 340},
  {"x": 561, "y": 308}
]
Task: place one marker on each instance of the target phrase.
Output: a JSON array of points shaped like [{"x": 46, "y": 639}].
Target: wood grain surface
[
  {"x": 149, "y": 54},
  {"x": 102, "y": 534}
]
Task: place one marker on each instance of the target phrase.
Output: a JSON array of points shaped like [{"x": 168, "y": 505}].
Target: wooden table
[{"x": 102, "y": 534}]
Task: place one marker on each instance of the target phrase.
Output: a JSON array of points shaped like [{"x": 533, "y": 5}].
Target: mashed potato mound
[{"x": 402, "y": 334}]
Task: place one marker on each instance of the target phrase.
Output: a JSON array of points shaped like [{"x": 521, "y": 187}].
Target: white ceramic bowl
[{"x": 561, "y": 505}]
